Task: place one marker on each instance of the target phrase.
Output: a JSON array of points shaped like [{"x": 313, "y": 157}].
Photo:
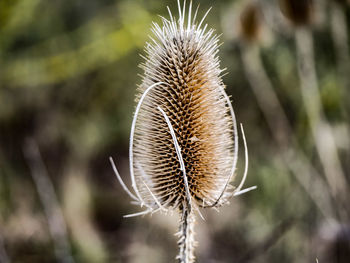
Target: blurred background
[{"x": 68, "y": 76}]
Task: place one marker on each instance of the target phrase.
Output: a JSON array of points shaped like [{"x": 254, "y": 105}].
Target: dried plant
[
  {"x": 49, "y": 200},
  {"x": 320, "y": 127},
  {"x": 298, "y": 12},
  {"x": 184, "y": 141},
  {"x": 274, "y": 113},
  {"x": 250, "y": 22}
]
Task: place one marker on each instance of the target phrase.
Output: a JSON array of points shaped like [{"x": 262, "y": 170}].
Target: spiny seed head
[{"x": 182, "y": 90}]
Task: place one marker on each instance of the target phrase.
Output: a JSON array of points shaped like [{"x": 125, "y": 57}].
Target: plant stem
[
  {"x": 186, "y": 237},
  {"x": 340, "y": 40},
  {"x": 320, "y": 128},
  {"x": 281, "y": 130},
  {"x": 47, "y": 195},
  {"x": 3, "y": 255}
]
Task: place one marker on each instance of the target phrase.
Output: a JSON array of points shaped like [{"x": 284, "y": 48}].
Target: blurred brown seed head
[
  {"x": 299, "y": 12},
  {"x": 250, "y": 19},
  {"x": 343, "y": 2}
]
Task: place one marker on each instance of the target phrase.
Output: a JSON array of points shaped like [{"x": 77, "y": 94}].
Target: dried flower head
[
  {"x": 343, "y": 2},
  {"x": 251, "y": 21},
  {"x": 183, "y": 141},
  {"x": 299, "y": 12}
]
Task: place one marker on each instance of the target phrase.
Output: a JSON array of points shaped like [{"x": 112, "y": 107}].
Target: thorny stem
[{"x": 186, "y": 237}]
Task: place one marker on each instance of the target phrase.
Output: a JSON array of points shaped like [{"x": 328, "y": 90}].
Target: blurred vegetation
[{"x": 68, "y": 75}]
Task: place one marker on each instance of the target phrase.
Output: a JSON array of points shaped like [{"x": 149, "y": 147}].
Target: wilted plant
[{"x": 183, "y": 141}]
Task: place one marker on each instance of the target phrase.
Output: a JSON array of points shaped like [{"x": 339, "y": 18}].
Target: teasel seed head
[
  {"x": 298, "y": 12},
  {"x": 251, "y": 22},
  {"x": 343, "y": 2},
  {"x": 190, "y": 100},
  {"x": 183, "y": 140}
]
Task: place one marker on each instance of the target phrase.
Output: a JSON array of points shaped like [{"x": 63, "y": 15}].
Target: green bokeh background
[{"x": 68, "y": 77}]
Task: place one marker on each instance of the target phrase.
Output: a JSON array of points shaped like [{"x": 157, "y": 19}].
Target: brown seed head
[
  {"x": 251, "y": 22},
  {"x": 299, "y": 12},
  {"x": 343, "y": 2},
  {"x": 184, "y": 131}
]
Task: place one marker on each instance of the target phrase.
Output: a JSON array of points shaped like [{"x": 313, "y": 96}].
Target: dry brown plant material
[
  {"x": 343, "y": 2},
  {"x": 183, "y": 141},
  {"x": 251, "y": 22},
  {"x": 299, "y": 12}
]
